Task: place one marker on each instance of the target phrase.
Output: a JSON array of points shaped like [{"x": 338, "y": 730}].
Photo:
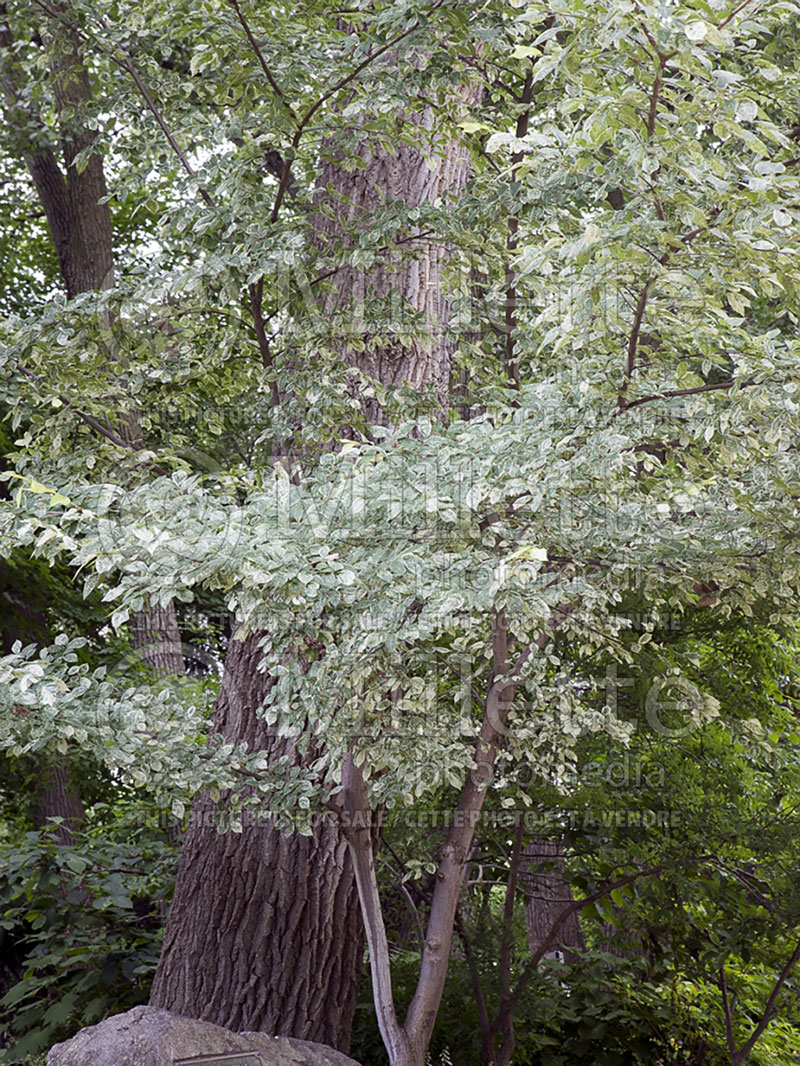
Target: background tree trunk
[
  {"x": 265, "y": 931},
  {"x": 74, "y": 202},
  {"x": 542, "y": 877},
  {"x": 54, "y": 794}
]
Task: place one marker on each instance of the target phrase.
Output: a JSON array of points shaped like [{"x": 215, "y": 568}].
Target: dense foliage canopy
[{"x": 578, "y": 550}]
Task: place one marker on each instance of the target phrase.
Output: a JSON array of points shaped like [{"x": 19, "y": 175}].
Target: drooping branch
[
  {"x": 671, "y": 394},
  {"x": 302, "y": 124}
]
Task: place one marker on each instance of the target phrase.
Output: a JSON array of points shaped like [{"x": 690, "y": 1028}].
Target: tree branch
[
  {"x": 512, "y": 240},
  {"x": 738, "y": 1057},
  {"x": 733, "y": 14},
  {"x": 260, "y": 56},
  {"x": 433, "y": 968},
  {"x": 124, "y": 63},
  {"x": 475, "y": 977},
  {"x": 356, "y": 71},
  {"x": 507, "y": 1026},
  {"x": 728, "y": 1012},
  {"x": 670, "y": 394},
  {"x": 96, "y": 425},
  {"x": 552, "y": 938}
]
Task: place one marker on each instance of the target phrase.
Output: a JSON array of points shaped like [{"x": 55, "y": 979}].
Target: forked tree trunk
[{"x": 265, "y": 931}]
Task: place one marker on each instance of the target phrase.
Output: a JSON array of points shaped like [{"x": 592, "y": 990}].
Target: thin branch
[
  {"x": 256, "y": 298},
  {"x": 285, "y": 178},
  {"x": 654, "y": 95},
  {"x": 356, "y": 71},
  {"x": 124, "y": 63},
  {"x": 633, "y": 340},
  {"x": 733, "y": 14},
  {"x": 507, "y": 1025},
  {"x": 508, "y": 911},
  {"x": 646, "y": 30},
  {"x": 359, "y": 839},
  {"x": 127, "y": 66},
  {"x": 769, "y": 1009},
  {"x": 415, "y": 911},
  {"x": 552, "y": 938},
  {"x": 475, "y": 977},
  {"x": 512, "y": 240},
  {"x": 672, "y": 393},
  {"x": 104, "y": 430},
  {"x": 728, "y": 1012},
  {"x": 260, "y": 56}
]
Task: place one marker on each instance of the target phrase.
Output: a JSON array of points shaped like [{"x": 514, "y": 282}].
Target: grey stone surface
[{"x": 148, "y": 1036}]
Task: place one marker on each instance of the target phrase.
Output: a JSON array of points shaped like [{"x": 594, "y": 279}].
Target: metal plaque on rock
[{"x": 234, "y": 1058}]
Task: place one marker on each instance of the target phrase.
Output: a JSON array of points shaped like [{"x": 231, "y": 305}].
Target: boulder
[{"x": 148, "y": 1036}]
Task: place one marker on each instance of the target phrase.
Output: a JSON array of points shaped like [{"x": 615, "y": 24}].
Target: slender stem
[
  {"x": 356, "y": 827},
  {"x": 512, "y": 241},
  {"x": 124, "y": 63},
  {"x": 508, "y": 912},
  {"x": 733, "y": 14},
  {"x": 260, "y": 56},
  {"x": 769, "y": 1009},
  {"x": 356, "y": 71},
  {"x": 507, "y": 1025},
  {"x": 727, "y": 1010},
  {"x": 477, "y": 987},
  {"x": 636, "y": 328},
  {"x": 654, "y": 95}
]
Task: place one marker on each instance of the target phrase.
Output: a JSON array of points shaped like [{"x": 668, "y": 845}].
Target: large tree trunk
[
  {"x": 405, "y": 284},
  {"x": 265, "y": 931}
]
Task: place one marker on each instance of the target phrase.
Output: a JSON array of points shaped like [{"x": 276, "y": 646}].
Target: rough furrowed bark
[
  {"x": 264, "y": 932},
  {"x": 282, "y": 913},
  {"x": 405, "y": 282}
]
